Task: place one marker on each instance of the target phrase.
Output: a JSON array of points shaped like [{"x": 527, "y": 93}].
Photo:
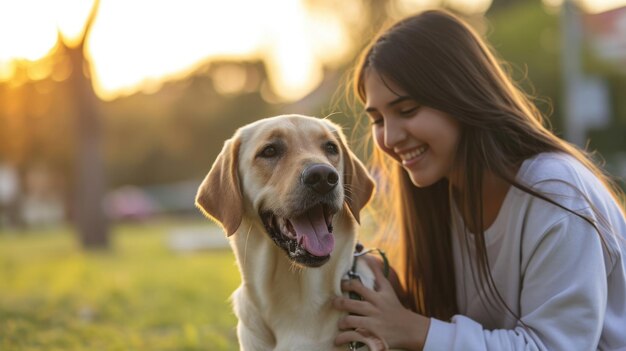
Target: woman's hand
[{"x": 379, "y": 320}]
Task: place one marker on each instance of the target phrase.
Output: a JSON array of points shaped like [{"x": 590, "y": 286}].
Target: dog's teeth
[
  {"x": 286, "y": 228},
  {"x": 329, "y": 221}
]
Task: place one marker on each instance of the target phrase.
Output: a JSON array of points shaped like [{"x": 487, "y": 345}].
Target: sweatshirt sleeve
[{"x": 562, "y": 302}]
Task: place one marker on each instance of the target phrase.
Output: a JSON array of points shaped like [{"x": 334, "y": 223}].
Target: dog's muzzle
[{"x": 306, "y": 234}]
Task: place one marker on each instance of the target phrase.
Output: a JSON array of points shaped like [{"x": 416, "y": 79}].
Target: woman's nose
[{"x": 394, "y": 133}]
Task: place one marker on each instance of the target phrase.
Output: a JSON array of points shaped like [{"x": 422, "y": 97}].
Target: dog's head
[{"x": 292, "y": 173}]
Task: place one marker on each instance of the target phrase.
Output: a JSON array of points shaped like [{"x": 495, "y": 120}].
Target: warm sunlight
[
  {"x": 36, "y": 32},
  {"x": 135, "y": 44},
  {"x": 131, "y": 45},
  {"x": 141, "y": 41},
  {"x": 29, "y": 28}
]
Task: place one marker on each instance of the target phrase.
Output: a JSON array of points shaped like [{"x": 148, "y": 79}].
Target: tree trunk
[{"x": 89, "y": 217}]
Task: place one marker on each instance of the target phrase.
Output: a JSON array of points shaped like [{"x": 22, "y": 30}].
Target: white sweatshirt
[{"x": 550, "y": 266}]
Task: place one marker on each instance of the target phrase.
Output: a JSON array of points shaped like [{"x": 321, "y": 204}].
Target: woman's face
[{"x": 422, "y": 139}]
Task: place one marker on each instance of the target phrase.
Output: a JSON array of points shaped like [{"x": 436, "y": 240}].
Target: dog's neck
[{"x": 278, "y": 300}]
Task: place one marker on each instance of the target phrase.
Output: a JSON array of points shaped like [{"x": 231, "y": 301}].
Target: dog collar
[
  {"x": 352, "y": 274},
  {"x": 358, "y": 252}
]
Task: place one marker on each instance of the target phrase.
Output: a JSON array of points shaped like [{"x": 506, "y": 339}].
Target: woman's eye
[
  {"x": 269, "y": 152},
  {"x": 332, "y": 148},
  {"x": 408, "y": 111}
]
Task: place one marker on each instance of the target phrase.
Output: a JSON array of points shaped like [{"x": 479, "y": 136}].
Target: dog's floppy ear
[
  {"x": 358, "y": 185},
  {"x": 219, "y": 196}
]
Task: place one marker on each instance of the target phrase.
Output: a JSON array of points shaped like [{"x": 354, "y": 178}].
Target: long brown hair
[{"x": 441, "y": 62}]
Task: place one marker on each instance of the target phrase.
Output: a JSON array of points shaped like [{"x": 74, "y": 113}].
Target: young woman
[{"x": 511, "y": 238}]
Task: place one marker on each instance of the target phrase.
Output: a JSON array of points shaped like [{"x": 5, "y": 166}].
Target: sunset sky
[{"x": 136, "y": 44}]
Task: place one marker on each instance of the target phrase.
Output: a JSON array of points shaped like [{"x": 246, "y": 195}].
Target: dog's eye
[
  {"x": 332, "y": 148},
  {"x": 269, "y": 151}
]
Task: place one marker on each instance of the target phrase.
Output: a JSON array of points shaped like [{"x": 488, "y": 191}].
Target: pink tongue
[{"x": 312, "y": 232}]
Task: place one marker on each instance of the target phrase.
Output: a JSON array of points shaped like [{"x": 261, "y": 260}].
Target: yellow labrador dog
[{"x": 288, "y": 192}]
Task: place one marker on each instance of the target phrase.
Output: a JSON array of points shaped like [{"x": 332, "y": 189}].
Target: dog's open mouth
[{"x": 307, "y": 238}]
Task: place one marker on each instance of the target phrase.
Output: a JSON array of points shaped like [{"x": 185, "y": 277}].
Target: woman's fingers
[
  {"x": 352, "y": 322},
  {"x": 361, "y": 335},
  {"x": 377, "y": 266},
  {"x": 358, "y": 307},
  {"x": 356, "y": 286}
]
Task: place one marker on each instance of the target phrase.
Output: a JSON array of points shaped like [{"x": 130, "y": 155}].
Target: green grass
[{"x": 138, "y": 296}]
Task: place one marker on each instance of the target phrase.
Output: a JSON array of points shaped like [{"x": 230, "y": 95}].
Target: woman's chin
[{"x": 421, "y": 180}]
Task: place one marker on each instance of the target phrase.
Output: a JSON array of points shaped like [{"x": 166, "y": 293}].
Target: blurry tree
[
  {"x": 527, "y": 35},
  {"x": 35, "y": 123},
  {"x": 527, "y": 38},
  {"x": 175, "y": 133},
  {"x": 89, "y": 216}
]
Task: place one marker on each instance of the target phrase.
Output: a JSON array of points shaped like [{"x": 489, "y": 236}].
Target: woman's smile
[{"x": 412, "y": 156}]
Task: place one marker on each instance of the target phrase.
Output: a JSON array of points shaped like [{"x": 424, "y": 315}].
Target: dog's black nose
[{"x": 320, "y": 177}]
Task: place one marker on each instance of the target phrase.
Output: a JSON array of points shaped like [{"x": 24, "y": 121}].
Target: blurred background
[{"x": 112, "y": 112}]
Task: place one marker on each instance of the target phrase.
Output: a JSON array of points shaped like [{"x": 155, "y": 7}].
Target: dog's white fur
[{"x": 282, "y": 305}]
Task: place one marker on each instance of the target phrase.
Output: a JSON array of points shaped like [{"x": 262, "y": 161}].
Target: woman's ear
[{"x": 219, "y": 196}]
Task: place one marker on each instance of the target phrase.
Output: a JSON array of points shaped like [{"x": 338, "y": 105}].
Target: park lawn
[{"x": 138, "y": 296}]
